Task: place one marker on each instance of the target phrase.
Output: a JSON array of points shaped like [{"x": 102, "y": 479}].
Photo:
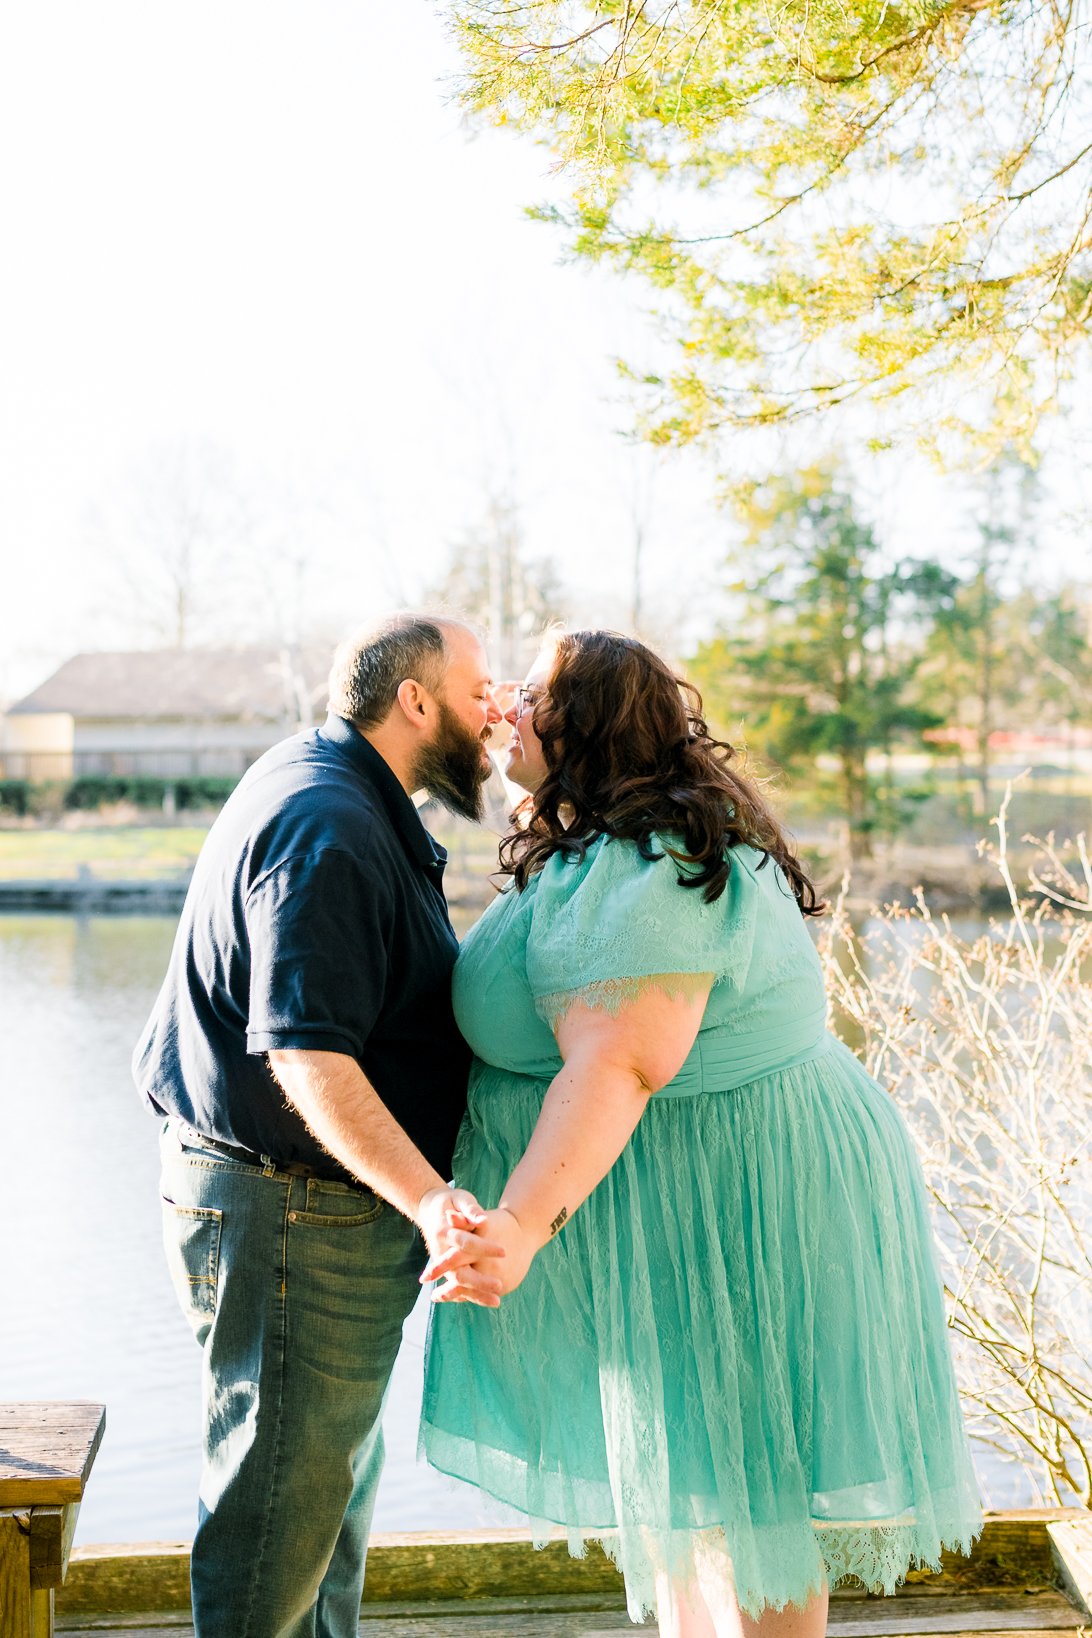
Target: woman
[{"x": 722, "y": 1346}]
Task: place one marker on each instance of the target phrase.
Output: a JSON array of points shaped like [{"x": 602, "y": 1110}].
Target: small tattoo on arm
[{"x": 561, "y": 1217}]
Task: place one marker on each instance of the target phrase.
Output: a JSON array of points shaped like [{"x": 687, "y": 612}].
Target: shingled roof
[{"x": 187, "y": 684}]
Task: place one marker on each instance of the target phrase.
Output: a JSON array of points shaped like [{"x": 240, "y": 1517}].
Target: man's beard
[{"x": 451, "y": 769}]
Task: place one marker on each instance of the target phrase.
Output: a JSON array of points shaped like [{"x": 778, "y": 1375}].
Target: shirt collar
[{"x": 340, "y": 732}]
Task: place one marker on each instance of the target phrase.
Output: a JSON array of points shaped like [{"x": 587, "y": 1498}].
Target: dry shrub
[{"x": 985, "y": 1041}]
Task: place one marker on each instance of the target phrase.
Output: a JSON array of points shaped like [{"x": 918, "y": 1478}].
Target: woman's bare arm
[{"x": 613, "y": 1063}]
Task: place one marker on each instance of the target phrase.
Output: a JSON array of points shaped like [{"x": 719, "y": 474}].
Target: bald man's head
[{"x": 369, "y": 666}]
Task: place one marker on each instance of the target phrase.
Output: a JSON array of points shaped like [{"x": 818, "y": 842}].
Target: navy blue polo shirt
[{"x": 315, "y": 918}]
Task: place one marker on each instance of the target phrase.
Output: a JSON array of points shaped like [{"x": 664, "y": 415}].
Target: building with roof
[{"x": 162, "y": 712}]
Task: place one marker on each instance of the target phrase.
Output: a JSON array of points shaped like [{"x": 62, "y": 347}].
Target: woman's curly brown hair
[{"x": 627, "y": 753}]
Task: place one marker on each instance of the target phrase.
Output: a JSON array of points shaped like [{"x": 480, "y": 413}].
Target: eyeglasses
[{"x": 525, "y": 698}]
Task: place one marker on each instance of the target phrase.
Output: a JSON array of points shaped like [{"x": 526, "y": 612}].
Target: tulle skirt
[{"x": 731, "y": 1367}]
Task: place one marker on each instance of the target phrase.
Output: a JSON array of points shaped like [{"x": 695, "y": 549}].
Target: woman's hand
[
  {"x": 452, "y": 1224},
  {"x": 506, "y": 1253}
]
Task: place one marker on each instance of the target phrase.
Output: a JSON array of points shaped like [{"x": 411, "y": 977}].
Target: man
[{"x": 305, "y": 1056}]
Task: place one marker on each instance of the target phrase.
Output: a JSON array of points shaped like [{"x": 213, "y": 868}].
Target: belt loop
[{"x": 268, "y": 1166}]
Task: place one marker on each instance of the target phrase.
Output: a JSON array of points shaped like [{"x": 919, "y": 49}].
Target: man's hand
[
  {"x": 497, "y": 1235},
  {"x": 449, "y": 1220}
]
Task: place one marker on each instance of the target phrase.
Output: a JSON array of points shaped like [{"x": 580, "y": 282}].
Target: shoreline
[
  {"x": 87, "y": 894},
  {"x": 965, "y": 890},
  {"x": 98, "y": 897}
]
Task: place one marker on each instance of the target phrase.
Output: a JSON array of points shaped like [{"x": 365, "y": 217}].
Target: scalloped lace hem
[{"x": 878, "y": 1555}]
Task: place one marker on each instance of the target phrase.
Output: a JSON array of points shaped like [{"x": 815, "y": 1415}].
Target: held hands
[
  {"x": 451, "y": 1222},
  {"x": 497, "y": 1236}
]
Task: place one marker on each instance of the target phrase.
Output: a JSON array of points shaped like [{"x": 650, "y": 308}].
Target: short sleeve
[
  {"x": 317, "y": 928},
  {"x": 602, "y": 923}
]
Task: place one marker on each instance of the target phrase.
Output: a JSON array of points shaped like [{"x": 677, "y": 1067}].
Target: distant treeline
[
  {"x": 841, "y": 659},
  {"x": 26, "y": 798}
]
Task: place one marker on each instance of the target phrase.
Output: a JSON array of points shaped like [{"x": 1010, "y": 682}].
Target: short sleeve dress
[{"x": 732, "y": 1363}]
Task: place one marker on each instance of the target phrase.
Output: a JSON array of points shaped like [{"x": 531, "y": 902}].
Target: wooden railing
[
  {"x": 46, "y": 1452},
  {"x": 1029, "y": 1572}
]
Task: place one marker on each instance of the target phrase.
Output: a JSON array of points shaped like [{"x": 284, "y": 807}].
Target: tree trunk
[
  {"x": 985, "y": 725},
  {"x": 855, "y": 788},
  {"x": 985, "y": 684}
]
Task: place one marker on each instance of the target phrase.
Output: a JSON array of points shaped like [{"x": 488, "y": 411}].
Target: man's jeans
[{"x": 296, "y": 1290}]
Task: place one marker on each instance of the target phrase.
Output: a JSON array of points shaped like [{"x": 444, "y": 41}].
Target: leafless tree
[
  {"x": 491, "y": 578},
  {"x": 170, "y": 541},
  {"x": 986, "y": 1042}
]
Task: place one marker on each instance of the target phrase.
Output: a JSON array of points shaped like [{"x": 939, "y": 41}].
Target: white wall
[
  {"x": 163, "y": 749},
  {"x": 36, "y": 746}
]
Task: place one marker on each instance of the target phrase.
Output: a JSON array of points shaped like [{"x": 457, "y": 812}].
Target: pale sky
[{"x": 261, "y": 227}]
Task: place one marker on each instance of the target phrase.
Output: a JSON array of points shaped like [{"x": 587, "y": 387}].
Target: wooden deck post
[
  {"x": 46, "y": 1452},
  {"x": 1071, "y": 1543},
  {"x": 15, "y": 1599}
]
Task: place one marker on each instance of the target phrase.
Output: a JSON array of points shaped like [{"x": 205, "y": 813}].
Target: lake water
[{"x": 89, "y": 1312}]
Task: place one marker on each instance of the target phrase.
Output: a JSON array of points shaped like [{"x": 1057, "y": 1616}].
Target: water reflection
[{"x": 89, "y": 1312}]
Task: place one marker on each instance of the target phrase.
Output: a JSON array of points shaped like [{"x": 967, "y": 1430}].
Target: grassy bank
[
  {"x": 139, "y": 854},
  {"x": 108, "y": 852}
]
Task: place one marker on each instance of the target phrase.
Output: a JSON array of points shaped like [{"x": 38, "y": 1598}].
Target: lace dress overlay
[{"x": 731, "y": 1365}]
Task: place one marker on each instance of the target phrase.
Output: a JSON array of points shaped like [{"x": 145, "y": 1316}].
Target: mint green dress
[{"x": 731, "y": 1365}]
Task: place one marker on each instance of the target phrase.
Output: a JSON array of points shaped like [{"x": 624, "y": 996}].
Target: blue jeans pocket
[
  {"x": 337, "y": 1205},
  {"x": 191, "y": 1235}
]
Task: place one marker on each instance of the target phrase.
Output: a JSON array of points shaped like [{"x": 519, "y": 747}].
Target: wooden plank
[
  {"x": 1021, "y": 1632},
  {"x": 118, "y": 1578},
  {"x": 955, "y": 1613},
  {"x": 71, "y": 1519},
  {"x": 131, "y": 1626},
  {"x": 1014, "y": 1550},
  {"x": 558, "y": 1604},
  {"x": 440, "y": 1626},
  {"x": 478, "y": 1626},
  {"x": 437, "y": 1623},
  {"x": 1071, "y": 1541},
  {"x": 605, "y": 1624},
  {"x": 519, "y": 1626},
  {"x": 46, "y": 1451},
  {"x": 1014, "y": 1553},
  {"x": 51, "y": 1532},
  {"x": 46, "y": 1546},
  {"x": 483, "y": 1564},
  {"x": 565, "y": 1618},
  {"x": 468, "y": 1565},
  {"x": 14, "y": 1574},
  {"x": 41, "y": 1612},
  {"x": 853, "y": 1617},
  {"x": 433, "y": 1626},
  {"x": 865, "y": 1618},
  {"x": 560, "y": 1617}
]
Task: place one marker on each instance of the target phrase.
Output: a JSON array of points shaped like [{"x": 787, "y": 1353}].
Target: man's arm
[{"x": 341, "y": 1108}]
